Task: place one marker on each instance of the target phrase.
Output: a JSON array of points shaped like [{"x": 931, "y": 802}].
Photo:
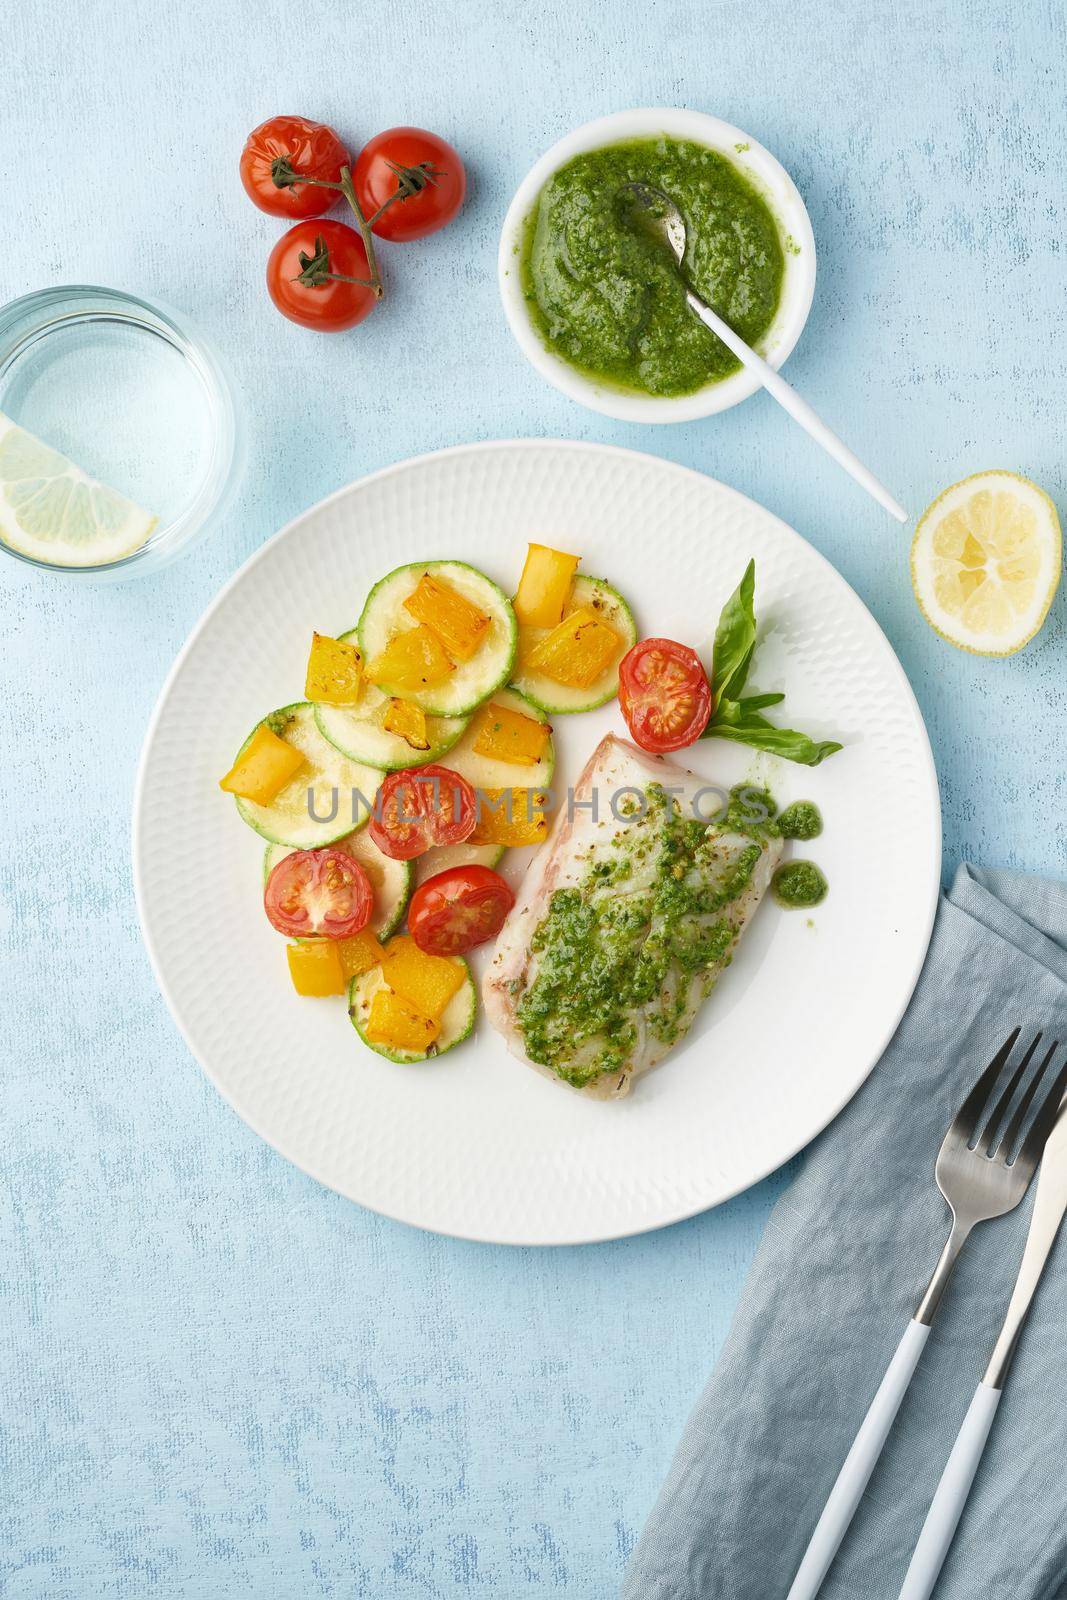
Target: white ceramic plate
[{"x": 478, "y": 1145}]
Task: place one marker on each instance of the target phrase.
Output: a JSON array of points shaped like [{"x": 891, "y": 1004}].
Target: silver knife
[{"x": 951, "y": 1497}]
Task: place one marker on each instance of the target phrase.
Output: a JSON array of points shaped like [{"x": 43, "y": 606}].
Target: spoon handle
[{"x": 798, "y": 409}]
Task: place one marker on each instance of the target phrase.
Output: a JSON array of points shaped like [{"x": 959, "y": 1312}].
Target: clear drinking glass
[{"x": 135, "y": 397}]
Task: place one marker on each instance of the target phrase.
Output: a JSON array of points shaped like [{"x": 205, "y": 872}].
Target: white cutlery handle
[
  {"x": 944, "y": 1514},
  {"x": 798, "y": 408},
  {"x": 855, "y": 1475}
]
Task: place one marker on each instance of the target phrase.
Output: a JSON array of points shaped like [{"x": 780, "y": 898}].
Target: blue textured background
[{"x": 221, "y": 1380}]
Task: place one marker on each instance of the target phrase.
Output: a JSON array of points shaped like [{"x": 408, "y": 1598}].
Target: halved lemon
[
  {"x": 53, "y": 511},
  {"x": 986, "y": 562}
]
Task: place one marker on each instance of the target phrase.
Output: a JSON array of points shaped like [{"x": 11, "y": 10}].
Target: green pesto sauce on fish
[{"x": 647, "y": 923}]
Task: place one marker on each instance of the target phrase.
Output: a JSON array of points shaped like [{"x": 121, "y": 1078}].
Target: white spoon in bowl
[{"x": 657, "y": 213}]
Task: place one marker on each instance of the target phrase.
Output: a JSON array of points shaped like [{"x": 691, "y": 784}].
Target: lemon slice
[
  {"x": 53, "y": 511},
  {"x": 986, "y": 562}
]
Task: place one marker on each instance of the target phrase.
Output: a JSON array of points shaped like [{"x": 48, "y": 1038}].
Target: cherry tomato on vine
[
  {"x": 318, "y": 892},
  {"x": 420, "y": 808},
  {"x": 307, "y": 273},
  {"x": 418, "y": 179},
  {"x": 664, "y": 694},
  {"x": 457, "y": 909},
  {"x": 292, "y": 146}
]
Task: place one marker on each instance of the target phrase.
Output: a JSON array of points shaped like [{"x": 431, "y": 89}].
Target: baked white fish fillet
[{"x": 626, "y": 919}]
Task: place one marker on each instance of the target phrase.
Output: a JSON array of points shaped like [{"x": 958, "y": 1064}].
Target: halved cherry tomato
[
  {"x": 306, "y": 273},
  {"x": 417, "y": 178},
  {"x": 417, "y": 809},
  {"x": 311, "y": 149},
  {"x": 457, "y": 909},
  {"x": 323, "y": 892},
  {"x": 664, "y": 694}
]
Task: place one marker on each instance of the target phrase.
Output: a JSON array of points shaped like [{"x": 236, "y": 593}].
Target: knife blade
[{"x": 1050, "y": 1203}]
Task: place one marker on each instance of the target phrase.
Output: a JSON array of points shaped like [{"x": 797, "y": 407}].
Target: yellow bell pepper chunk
[
  {"x": 394, "y": 1022},
  {"x": 507, "y": 735},
  {"x": 577, "y": 651},
  {"x": 414, "y": 659},
  {"x": 359, "y": 953},
  {"x": 264, "y": 766},
  {"x": 427, "y": 982},
  {"x": 409, "y": 721},
  {"x": 510, "y": 817},
  {"x": 334, "y": 672},
  {"x": 457, "y": 621},
  {"x": 315, "y": 967},
  {"x": 544, "y": 586}
]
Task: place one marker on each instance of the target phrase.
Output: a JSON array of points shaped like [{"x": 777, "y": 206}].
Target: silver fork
[{"x": 984, "y": 1168}]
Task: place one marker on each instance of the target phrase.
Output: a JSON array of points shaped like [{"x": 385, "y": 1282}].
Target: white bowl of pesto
[{"x": 595, "y": 309}]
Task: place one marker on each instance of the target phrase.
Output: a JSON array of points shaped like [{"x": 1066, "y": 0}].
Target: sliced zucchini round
[
  {"x": 556, "y": 699},
  {"x": 469, "y": 682},
  {"x": 456, "y": 1024},
  {"x": 391, "y": 880},
  {"x": 455, "y": 855},
  {"x": 358, "y": 733},
  {"x": 342, "y": 790},
  {"x": 487, "y": 772}
]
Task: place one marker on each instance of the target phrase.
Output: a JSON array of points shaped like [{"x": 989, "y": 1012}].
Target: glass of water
[{"x": 131, "y": 394}]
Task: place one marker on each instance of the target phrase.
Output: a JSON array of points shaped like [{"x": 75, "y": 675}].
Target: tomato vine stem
[
  {"x": 285, "y": 176},
  {"x": 409, "y": 181},
  {"x": 315, "y": 270},
  {"x": 348, "y": 189}
]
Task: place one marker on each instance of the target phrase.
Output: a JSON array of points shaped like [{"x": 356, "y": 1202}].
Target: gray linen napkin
[{"x": 847, "y": 1251}]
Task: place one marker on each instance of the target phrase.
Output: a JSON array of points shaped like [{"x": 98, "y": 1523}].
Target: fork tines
[{"x": 983, "y": 1121}]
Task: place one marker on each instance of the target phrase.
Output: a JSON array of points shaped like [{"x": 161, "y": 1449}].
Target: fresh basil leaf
[
  {"x": 726, "y": 712},
  {"x": 759, "y": 702},
  {"x": 735, "y": 716},
  {"x": 733, "y": 711},
  {"x": 735, "y": 639},
  {"x": 760, "y": 734}
]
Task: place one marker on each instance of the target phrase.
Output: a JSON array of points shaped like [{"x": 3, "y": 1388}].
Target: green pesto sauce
[
  {"x": 799, "y": 884},
  {"x": 801, "y": 820},
  {"x": 610, "y": 300},
  {"x": 634, "y": 933}
]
